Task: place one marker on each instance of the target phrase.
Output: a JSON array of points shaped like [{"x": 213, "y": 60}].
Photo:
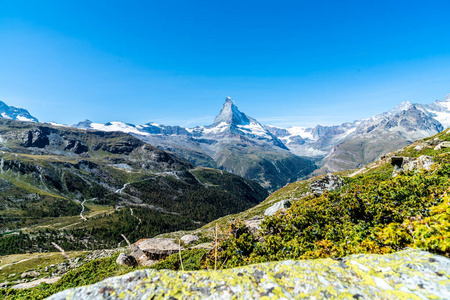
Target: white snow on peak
[
  {"x": 22, "y": 118},
  {"x": 254, "y": 128},
  {"x": 405, "y": 105},
  {"x": 57, "y": 124},
  {"x": 117, "y": 126},
  {"x": 303, "y": 132},
  {"x": 4, "y": 115},
  {"x": 222, "y": 126}
]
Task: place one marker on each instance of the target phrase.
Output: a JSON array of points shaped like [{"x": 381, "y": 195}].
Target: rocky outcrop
[
  {"x": 283, "y": 204},
  {"x": 329, "y": 183},
  {"x": 401, "y": 163},
  {"x": 253, "y": 224},
  {"x": 442, "y": 146},
  {"x": 410, "y": 274},
  {"x": 189, "y": 239}
]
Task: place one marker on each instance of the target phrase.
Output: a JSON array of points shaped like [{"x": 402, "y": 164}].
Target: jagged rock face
[
  {"x": 230, "y": 114},
  {"x": 408, "y": 274}
]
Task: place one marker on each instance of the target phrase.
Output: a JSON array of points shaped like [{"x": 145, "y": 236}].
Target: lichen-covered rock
[
  {"x": 189, "y": 239},
  {"x": 283, "y": 204},
  {"x": 328, "y": 183},
  {"x": 410, "y": 274}
]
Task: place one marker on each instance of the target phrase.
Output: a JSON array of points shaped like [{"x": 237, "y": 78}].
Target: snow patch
[
  {"x": 303, "y": 132},
  {"x": 117, "y": 126},
  {"x": 4, "y": 115}
]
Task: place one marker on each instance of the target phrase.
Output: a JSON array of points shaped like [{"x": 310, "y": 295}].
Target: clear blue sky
[{"x": 174, "y": 62}]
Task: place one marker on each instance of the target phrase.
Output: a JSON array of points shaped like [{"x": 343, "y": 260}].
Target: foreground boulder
[
  {"x": 149, "y": 251},
  {"x": 410, "y": 274}
]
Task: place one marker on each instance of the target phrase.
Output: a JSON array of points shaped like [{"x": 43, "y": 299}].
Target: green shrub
[
  {"x": 191, "y": 260},
  {"x": 373, "y": 213}
]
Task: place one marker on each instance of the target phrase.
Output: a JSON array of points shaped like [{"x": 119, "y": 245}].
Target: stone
[
  {"x": 401, "y": 163},
  {"x": 156, "y": 248},
  {"x": 189, "y": 239},
  {"x": 30, "y": 274},
  {"x": 328, "y": 183},
  {"x": 423, "y": 162},
  {"x": 434, "y": 142},
  {"x": 409, "y": 274},
  {"x": 420, "y": 147},
  {"x": 126, "y": 260},
  {"x": 442, "y": 145},
  {"x": 283, "y": 205},
  {"x": 253, "y": 224}
]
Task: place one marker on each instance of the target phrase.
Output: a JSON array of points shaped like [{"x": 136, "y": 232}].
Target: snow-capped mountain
[
  {"x": 349, "y": 145},
  {"x": 15, "y": 113},
  {"x": 235, "y": 142}
]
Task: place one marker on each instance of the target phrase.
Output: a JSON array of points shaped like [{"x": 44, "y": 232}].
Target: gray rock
[
  {"x": 126, "y": 260},
  {"x": 30, "y": 274},
  {"x": 421, "y": 146},
  {"x": 401, "y": 163},
  {"x": 253, "y": 224},
  {"x": 283, "y": 204},
  {"x": 409, "y": 274},
  {"x": 156, "y": 248},
  {"x": 328, "y": 183},
  {"x": 442, "y": 145},
  {"x": 423, "y": 162},
  {"x": 189, "y": 239}
]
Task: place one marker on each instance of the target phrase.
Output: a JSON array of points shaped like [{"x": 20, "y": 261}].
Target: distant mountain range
[
  {"x": 274, "y": 156},
  {"x": 235, "y": 142},
  {"x": 14, "y": 113}
]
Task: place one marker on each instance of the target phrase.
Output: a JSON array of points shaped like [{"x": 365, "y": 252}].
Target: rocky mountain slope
[
  {"x": 234, "y": 142},
  {"x": 351, "y": 145},
  {"x": 96, "y": 185}
]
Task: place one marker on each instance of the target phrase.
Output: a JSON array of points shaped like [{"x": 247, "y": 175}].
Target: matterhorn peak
[
  {"x": 405, "y": 105},
  {"x": 230, "y": 114}
]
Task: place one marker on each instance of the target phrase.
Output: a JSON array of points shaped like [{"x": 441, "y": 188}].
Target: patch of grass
[
  {"x": 19, "y": 263},
  {"x": 90, "y": 273}
]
